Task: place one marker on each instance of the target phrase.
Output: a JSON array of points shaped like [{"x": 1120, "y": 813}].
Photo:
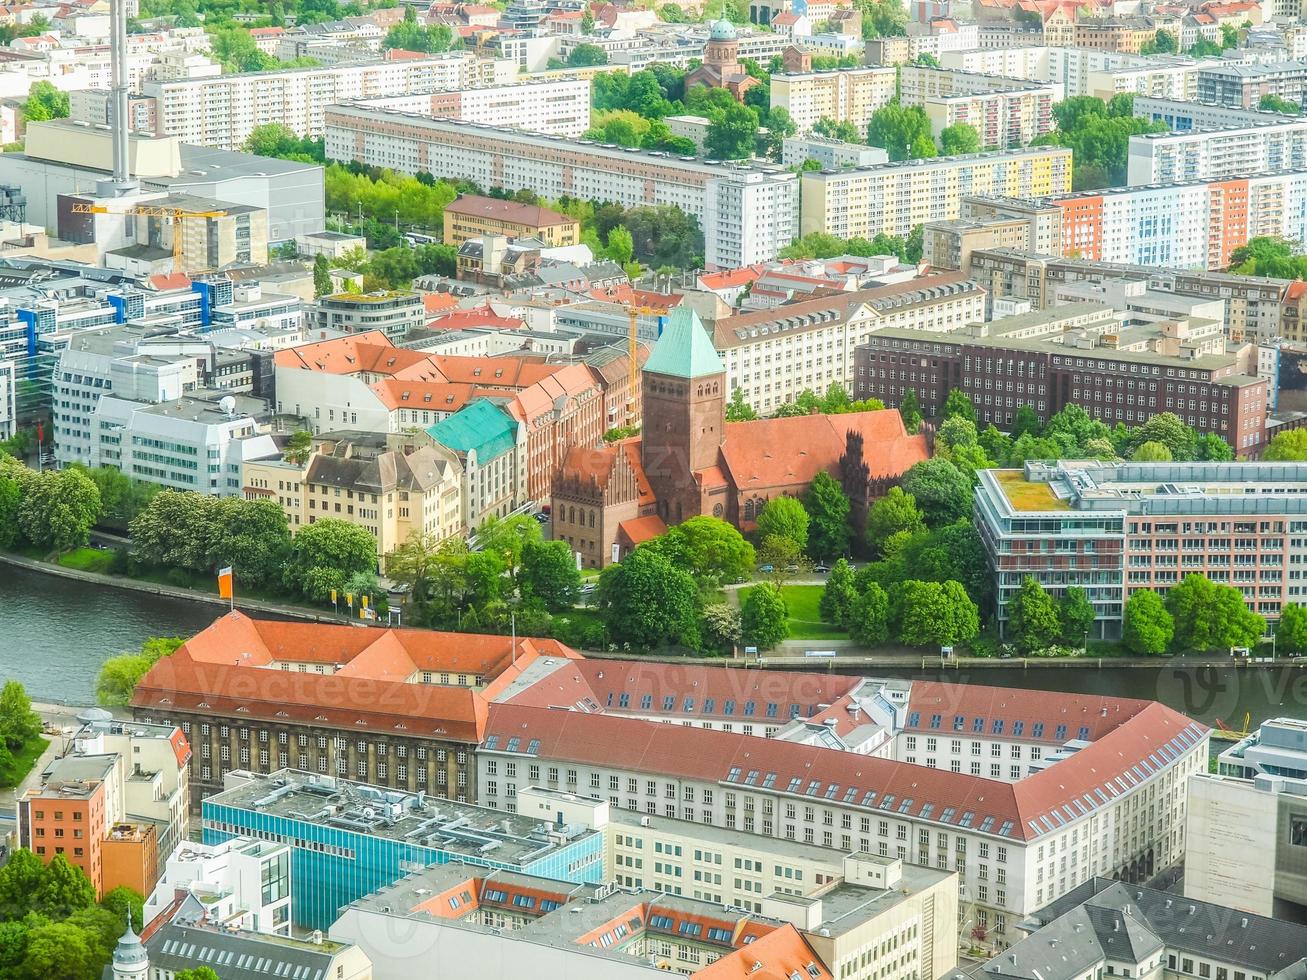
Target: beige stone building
[
  {"x": 473, "y": 216},
  {"x": 390, "y": 486}
]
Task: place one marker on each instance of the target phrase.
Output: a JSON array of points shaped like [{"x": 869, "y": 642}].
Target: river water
[{"x": 55, "y": 633}]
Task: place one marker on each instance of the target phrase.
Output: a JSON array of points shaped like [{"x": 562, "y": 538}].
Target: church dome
[{"x": 722, "y": 30}]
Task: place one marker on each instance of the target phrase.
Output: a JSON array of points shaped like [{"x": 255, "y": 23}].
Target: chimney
[{"x": 121, "y": 183}]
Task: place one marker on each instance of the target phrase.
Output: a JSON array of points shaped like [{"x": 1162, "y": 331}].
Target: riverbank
[{"x": 171, "y": 591}]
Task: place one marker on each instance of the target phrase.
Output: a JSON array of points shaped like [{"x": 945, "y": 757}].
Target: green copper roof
[
  {"x": 684, "y": 350},
  {"x": 482, "y": 427}
]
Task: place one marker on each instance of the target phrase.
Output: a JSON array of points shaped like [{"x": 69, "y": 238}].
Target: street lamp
[{"x": 1086, "y": 643}]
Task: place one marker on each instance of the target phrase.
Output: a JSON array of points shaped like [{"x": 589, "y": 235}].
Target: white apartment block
[
  {"x": 895, "y": 197},
  {"x": 1182, "y": 116},
  {"x": 748, "y": 213},
  {"x": 558, "y": 107},
  {"x": 1165, "y": 158},
  {"x": 843, "y": 95},
  {"x": 831, "y": 154},
  {"x": 1085, "y": 71},
  {"x": 815, "y": 340},
  {"x": 1024, "y": 796},
  {"x": 1005, "y": 112},
  {"x": 223, "y": 111}
]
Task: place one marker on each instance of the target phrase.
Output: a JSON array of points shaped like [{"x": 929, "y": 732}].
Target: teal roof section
[
  {"x": 481, "y": 427},
  {"x": 684, "y": 350}
]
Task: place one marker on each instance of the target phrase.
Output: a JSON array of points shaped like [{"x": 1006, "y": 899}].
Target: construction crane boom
[
  {"x": 634, "y": 313},
  {"x": 177, "y": 215}
]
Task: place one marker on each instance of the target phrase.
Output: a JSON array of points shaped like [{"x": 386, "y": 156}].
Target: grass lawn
[
  {"x": 88, "y": 560},
  {"x": 805, "y": 618},
  {"x": 21, "y": 762}
]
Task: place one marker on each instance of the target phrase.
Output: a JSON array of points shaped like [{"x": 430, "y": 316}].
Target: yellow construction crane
[
  {"x": 634, "y": 313},
  {"x": 178, "y": 215}
]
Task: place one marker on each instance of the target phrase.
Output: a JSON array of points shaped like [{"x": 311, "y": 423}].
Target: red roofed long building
[
  {"x": 689, "y": 461},
  {"x": 401, "y": 708},
  {"x": 1026, "y": 794}
]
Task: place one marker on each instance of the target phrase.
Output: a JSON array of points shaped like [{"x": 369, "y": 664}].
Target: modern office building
[
  {"x": 293, "y": 700},
  {"x": 1115, "y": 528},
  {"x": 558, "y": 106},
  {"x": 893, "y": 198},
  {"x": 1211, "y": 154},
  {"x": 394, "y": 313},
  {"x": 1108, "y": 925},
  {"x": 841, "y": 95},
  {"x": 1194, "y": 224},
  {"x": 223, "y": 111},
  {"x": 349, "y": 839},
  {"x": 1082, "y": 353},
  {"x": 747, "y": 213},
  {"x": 242, "y": 882},
  {"x": 1005, "y": 112},
  {"x": 999, "y": 786}
]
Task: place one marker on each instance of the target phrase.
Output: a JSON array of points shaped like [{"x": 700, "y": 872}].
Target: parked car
[
  {"x": 821, "y": 569},
  {"x": 766, "y": 569}
]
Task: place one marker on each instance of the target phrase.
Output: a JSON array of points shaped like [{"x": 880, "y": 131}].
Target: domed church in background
[{"x": 721, "y": 66}]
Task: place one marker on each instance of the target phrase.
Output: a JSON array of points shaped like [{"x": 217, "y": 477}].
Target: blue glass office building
[{"x": 350, "y": 839}]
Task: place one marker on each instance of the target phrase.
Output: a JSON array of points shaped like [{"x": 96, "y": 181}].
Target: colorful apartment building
[
  {"x": 1005, "y": 112},
  {"x": 844, "y": 95}
]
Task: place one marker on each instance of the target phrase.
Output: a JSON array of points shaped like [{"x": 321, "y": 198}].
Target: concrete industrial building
[
  {"x": 747, "y": 213},
  {"x": 61, "y": 157},
  {"x": 895, "y": 197},
  {"x": 1036, "y": 521}
]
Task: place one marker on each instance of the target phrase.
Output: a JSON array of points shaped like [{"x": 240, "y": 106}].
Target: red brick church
[{"x": 688, "y": 460}]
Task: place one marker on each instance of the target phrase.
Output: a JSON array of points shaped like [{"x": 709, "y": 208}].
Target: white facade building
[
  {"x": 559, "y": 107},
  {"x": 223, "y": 111},
  {"x": 843, "y": 95},
  {"x": 747, "y": 213},
  {"x": 8, "y": 399},
  {"x": 242, "y": 883},
  {"x": 1209, "y": 154},
  {"x": 1085, "y": 71}
]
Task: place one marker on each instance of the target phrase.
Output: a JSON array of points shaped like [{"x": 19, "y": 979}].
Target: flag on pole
[{"x": 224, "y": 582}]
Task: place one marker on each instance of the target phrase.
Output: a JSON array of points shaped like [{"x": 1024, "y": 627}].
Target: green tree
[
  {"x": 1163, "y": 42},
  {"x": 20, "y": 879},
  {"x": 732, "y": 133},
  {"x": 828, "y": 510},
  {"x": 1076, "y": 614},
  {"x": 60, "y": 951},
  {"x": 958, "y": 404},
  {"x": 882, "y": 18},
  {"x": 1168, "y": 429},
  {"x": 779, "y": 552},
  {"x": 838, "y": 595},
  {"x": 902, "y": 131},
  {"x": 408, "y": 35},
  {"x": 62, "y": 890},
  {"x": 1152, "y": 452},
  {"x": 737, "y": 409},
  {"x": 197, "y": 973},
  {"x": 780, "y": 126},
  {"x": 895, "y": 512},
  {"x": 764, "y": 618},
  {"x": 1289, "y": 446},
  {"x": 719, "y": 627},
  {"x": 621, "y": 247},
  {"x": 1147, "y": 627},
  {"x": 844, "y": 131},
  {"x": 1025, "y": 421},
  {"x": 119, "y": 675},
  {"x": 44, "y": 101},
  {"x": 1274, "y": 103},
  {"x": 1213, "y": 448},
  {"x": 648, "y": 602},
  {"x": 329, "y": 544},
  {"x": 784, "y": 517},
  {"x": 959, "y": 138},
  {"x": 910, "y": 411},
  {"x": 1211, "y": 616},
  {"x": 11, "y": 499},
  {"x": 934, "y": 614},
  {"x": 868, "y": 617},
  {"x": 279, "y": 141},
  {"x": 299, "y": 446},
  {"x": 59, "y": 509},
  {"x": 508, "y": 537},
  {"x": 1291, "y": 633},
  {"x": 253, "y": 538},
  {"x": 710, "y": 549},
  {"x": 1032, "y": 619},
  {"x": 587, "y": 55},
  {"x": 549, "y": 573},
  {"x": 19, "y": 724},
  {"x": 941, "y": 490}
]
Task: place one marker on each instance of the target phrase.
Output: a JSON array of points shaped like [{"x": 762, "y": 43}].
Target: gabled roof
[
  {"x": 684, "y": 350},
  {"x": 482, "y": 427},
  {"x": 782, "y": 954}
]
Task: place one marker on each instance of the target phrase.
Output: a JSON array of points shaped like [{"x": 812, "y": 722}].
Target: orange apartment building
[
  {"x": 129, "y": 856},
  {"x": 68, "y": 818}
]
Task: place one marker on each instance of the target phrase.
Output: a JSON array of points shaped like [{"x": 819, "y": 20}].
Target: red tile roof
[
  {"x": 779, "y": 955},
  {"x": 638, "y": 530},
  {"x": 1039, "y": 714},
  {"x": 438, "y": 302},
  {"x": 530, "y": 215},
  {"x": 731, "y": 278},
  {"x": 779, "y": 452}
]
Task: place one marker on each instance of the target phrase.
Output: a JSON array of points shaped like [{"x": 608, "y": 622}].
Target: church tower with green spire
[{"x": 683, "y": 414}]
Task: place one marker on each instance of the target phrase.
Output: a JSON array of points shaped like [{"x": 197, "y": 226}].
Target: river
[{"x": 55, "y": 633}]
